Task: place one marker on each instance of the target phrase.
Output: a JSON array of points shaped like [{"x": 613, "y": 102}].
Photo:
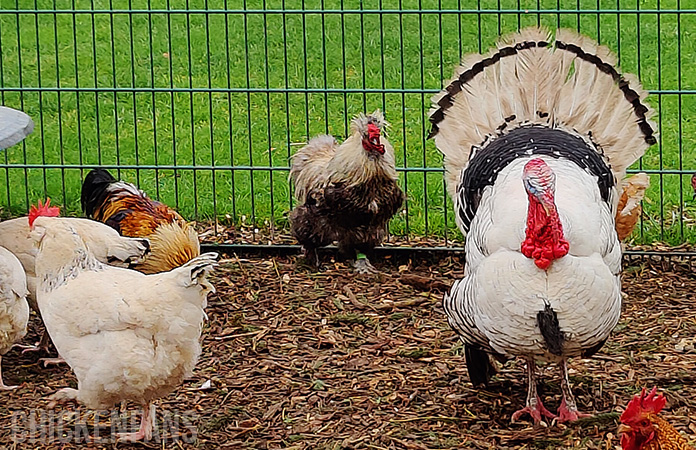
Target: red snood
[{"x": 544, "y": 240}]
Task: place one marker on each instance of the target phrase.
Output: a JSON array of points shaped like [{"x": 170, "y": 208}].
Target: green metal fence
[{"x": 201, "y": 102}]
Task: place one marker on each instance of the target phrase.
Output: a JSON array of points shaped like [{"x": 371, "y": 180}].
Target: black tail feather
[
  {"x": 551, "y": 330},
  {"x": 479, "y": 366},
  {"x": 94, "y": 190},
  {"x": 588, "y": 352}
]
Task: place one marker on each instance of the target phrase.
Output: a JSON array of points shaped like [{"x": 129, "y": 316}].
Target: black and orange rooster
[
  {"x": 127, "y": 209},
  {"x": 643, "y": 429},
  {"x": 346, "y": 193}
]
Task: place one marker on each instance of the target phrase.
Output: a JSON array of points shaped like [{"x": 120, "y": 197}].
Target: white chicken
[
  {"x": 126, "y": 335},
  {"x": 537, "y": 136},
  {"x": 104, "y": 242},
  {"x": 14, "y": 309}
]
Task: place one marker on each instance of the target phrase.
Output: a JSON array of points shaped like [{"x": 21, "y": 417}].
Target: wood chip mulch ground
[{"x": 299, "y": 359}]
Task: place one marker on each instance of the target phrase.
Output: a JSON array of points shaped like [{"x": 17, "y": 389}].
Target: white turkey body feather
[{"x": 496, "y": 304}]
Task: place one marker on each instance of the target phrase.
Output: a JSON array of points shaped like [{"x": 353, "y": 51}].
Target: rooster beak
[{"x": 623, "y": 429}]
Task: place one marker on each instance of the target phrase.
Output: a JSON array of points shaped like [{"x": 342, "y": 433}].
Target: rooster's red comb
[
  {"x": 45, "y": 210},
  {"x": 643, "y": 403}
]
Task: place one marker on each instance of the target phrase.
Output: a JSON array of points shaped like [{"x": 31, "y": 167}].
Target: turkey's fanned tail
[{"x": 569, "y": 82}]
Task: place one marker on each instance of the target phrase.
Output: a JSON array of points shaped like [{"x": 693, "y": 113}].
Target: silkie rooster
[
  {"x": 537, "y": 136},
  {"x": 346, "y": 193}
]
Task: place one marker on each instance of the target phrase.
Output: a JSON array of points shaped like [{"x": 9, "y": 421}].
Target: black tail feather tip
[{"x": 551, "y": 330}]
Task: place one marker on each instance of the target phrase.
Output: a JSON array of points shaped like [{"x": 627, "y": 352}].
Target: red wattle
[
  {"x": 373, "y": 133},
  {"x": 544, "y": 240}
]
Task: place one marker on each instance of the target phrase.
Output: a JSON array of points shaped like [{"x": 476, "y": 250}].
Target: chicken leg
[
  {"x": 3, "y": 386},
  {"x": 568, "y": 411},
  {"x": 147, "y": 423},
  {"x": 363, "y": 265},
  {"x": 311, "y": 256},
  {"x": 534, "y": 406}
]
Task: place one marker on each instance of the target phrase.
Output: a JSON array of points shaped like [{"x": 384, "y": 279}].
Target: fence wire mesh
[{"x": 201, "y": 102}]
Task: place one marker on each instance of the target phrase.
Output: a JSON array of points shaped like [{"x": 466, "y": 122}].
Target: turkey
[{"x": 536, "y": 136}]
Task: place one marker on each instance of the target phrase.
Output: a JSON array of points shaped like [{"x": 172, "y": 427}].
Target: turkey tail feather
[
  {"x": 479, "y": 365},
  {"x": 550, "y": 330},
  {"x": 569, "y": 83}
]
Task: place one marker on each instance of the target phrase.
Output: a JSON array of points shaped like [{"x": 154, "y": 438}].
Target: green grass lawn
[{"x": 230, "y": 107}]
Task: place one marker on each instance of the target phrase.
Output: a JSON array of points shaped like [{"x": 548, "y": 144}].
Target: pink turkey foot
[
  {"x": 4, "y": 387},
  {"x": 569, "y": 414},
  {"x": 140, "y": 435},
  {"x": 536, "y": 411},
  {"x": 63, "y": 396}
]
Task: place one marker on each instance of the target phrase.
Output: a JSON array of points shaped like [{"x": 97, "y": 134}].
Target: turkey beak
[{"x": 544, "y": 203}]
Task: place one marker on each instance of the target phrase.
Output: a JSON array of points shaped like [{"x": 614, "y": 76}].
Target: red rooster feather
[{"x": 132, "y": 213}]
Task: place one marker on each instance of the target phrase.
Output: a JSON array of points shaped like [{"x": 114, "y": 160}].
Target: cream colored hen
[
  {"x": 126, "y": 335},
  {"x": 14, "y": 310},
  {"x": 104, "y": 242}
]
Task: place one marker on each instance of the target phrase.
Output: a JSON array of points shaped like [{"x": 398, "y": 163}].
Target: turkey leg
[
  {"x": 534, "y": 406},
  {"x": 568, "y": 411}
]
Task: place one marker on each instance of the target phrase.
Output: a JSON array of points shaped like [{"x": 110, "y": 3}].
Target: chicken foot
[
  {"x": 534, "y": 406},
  {"x": 568, "y": 411},
  {"x": 52, "y": 361},
  {"x": 147, "y": 423},
  {"x": 3, "y": 386},
  {"x": 64, "y": 395},
  {"x": 363, "y": 265},
  {"x": 42, "y": 346}
]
